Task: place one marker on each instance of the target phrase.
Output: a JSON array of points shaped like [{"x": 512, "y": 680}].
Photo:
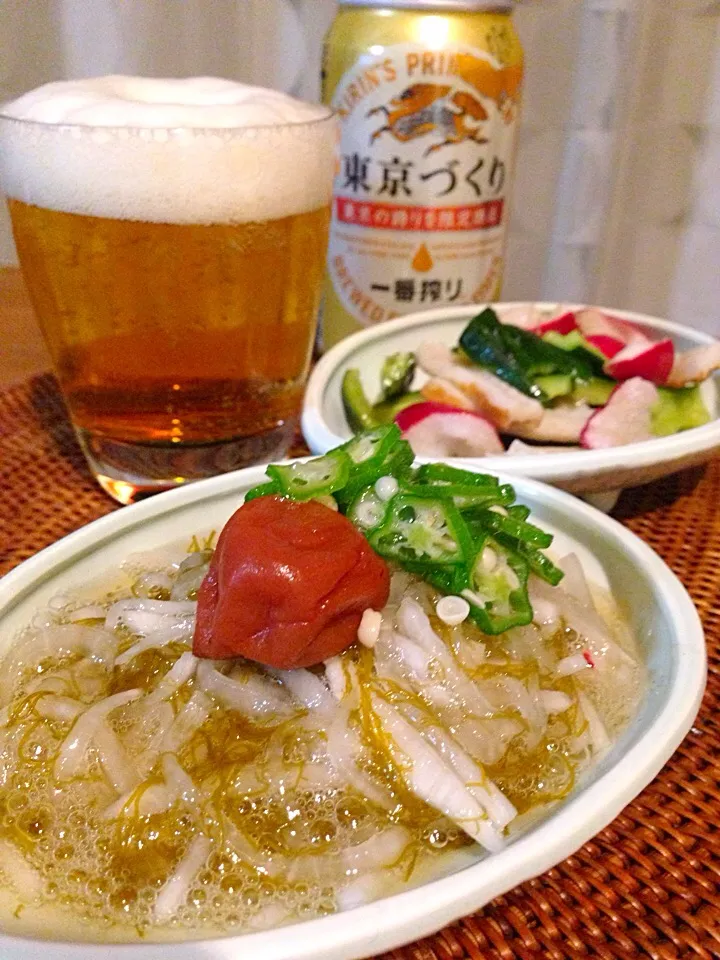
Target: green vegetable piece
[
  {"x": 262, "y": 490},
  {"x": 443, "y": 473},
  {"x": 573, "y": 341},
  {"x": 519, "y": 511},
  {"x": 387, "y": 410},
  {"x": 519, "y": 530},
  {"x": 555, "y": 385},
  {"x": 358, "y": 409},
  {"x": 678, "y": 409},
  {"x": 465, "y": 495},
  {"x": 539, "y": 357},
  {"x": 420, "y": 533},
  {"x": 483, "y": 343},
  {"x": 368, "y": 450},
  {"x": 368, "y": 511},
  {"x": 589, "y": 360},
  {"x": 376, "y": 453},
  {"x": 323, "y": 475},
  {"x": 497, "y": 588},
  {"x": 399, "y": 463},
  {"x": 540, "y": 564},
  {"x": 595, "y": 391},
  {"x": 396, "y": 375},
  {"x": 520, "y": 357}
]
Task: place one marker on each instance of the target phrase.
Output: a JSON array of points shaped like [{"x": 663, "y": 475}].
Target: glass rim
[{"x": 328, "y": 114}]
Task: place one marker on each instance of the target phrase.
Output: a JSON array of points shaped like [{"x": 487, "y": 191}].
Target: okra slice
[
  {"x": 419, "y": 531},
  {"x": 368, "y": 510},
  {"x": 312, "y": 478},
  {"x": 497, "y": 588},
  {"x": 519, "y": 530},
  {"x": 262, "y": 490},
  {"x": 442, "y": 473},
  {"x": 374, "y": 454},
  {"x": 464, "y": 495},
  {"x": 540, "y": 564}
]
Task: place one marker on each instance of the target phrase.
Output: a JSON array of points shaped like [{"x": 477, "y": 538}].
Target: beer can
[{"x": 428, "y": 96}]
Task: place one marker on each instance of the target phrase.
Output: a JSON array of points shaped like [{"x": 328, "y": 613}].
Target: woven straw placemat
[{"x": 646, "y": 886}]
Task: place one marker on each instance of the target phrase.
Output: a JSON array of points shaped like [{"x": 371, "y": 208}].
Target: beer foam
[{"x": 200, "y": 150}]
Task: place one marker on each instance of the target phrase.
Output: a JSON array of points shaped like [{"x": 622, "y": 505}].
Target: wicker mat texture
[{"x": 649, "y": 884}]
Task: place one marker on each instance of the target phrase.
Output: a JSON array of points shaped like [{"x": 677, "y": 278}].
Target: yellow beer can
[{"x": 428, "y": 96}]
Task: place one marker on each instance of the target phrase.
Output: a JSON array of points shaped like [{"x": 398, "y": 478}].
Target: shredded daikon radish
[
  {"x": 191, "y": 717},
  {"x": 598, "y": 733},
  {"x": 307, "y": 689},
  {"x": 571, "y": 665},
  {"x": 18, "y": 873},
  {"x": 177, "y": 633},
  {"x": 175, "y": 890},
  {"x": 555, "y": 701},
  {"x": 178, "y": 779},
  {"x": 144, "y": 613},
  {"x": 179, "y": 674},
  {"x": 433, "y": 780},
  {"x": 336, "y": 677},
  {"x": 252, "y": 695},
  {"x": 91, "y": 612},
  {"x": 147, "y": 801},
  {"x": 72, "y": 755}
]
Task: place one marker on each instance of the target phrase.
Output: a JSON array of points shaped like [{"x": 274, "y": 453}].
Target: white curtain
[{"x": 617, "y": 199}]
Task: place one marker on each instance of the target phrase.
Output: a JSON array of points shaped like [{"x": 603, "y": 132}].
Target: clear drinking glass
[{"x": 176, "y": 274}]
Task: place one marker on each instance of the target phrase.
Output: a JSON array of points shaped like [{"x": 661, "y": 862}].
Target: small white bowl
[
  {"x": 580, "y": 471},
  {"x": 659, "y": 611}
]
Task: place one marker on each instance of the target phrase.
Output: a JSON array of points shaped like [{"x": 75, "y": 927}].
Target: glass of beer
[{"x": 172, "y": 235}]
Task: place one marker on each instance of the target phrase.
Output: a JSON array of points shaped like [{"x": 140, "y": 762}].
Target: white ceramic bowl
[
  {"x": 659, "y": 610},
  {"x": 580, "y": 471}
]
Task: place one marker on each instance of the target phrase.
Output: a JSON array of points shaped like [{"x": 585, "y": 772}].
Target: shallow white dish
[
  {"x": 580, "y": 471},
  {"x": 661, "y": 615}
]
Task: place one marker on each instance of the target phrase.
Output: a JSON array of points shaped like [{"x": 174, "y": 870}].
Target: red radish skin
[
  {"x": 565, "y": 323},
  {"x": 625, "y": 418},
  {"x": 652, "y": 362},
  {"x": 436, "y": 429},
  {"x": 607, "y": 345},
  {"x": 408, "y": 417}
]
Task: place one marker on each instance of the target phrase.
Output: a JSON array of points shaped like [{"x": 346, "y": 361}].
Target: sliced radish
[
  {"x": 596, "y": 323},
  {"x": 565, "y": 323},
  {"x": 607, "y": 345},
  {"x": 625, "y": 418},
  {"x": 651, "y": 361},
  {"x": 536, "y": 318},
  {"x": 694, "y": 366},
  {"x": 438, "y": 430}
]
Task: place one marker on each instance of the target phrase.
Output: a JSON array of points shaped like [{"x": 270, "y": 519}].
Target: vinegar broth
[{"x": 146, "y": 794}]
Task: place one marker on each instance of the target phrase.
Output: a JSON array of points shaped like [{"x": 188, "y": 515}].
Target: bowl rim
[
  {"x": 409, "y": 915},
  {"x": 554, "y": 466}
]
